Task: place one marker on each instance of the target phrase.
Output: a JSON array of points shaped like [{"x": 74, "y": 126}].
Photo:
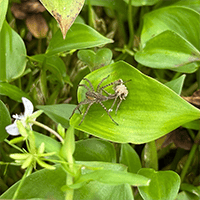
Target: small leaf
[
  {"x": 76, "y": 39},
  {"x": 45, "y": 165},
  {"x": 64, "y": 11},
  {"x": 164, "y": 185},
  {"x": 5, "y": 120},
  {"x": 130, "y": 158},
  {"x": 41, "y": 148},
  {"x": 177, "y": 84},
  {"x": 13, "y": 54},
  {"x": 190, "y": 188},
  {"x": 27, "y": 162}
]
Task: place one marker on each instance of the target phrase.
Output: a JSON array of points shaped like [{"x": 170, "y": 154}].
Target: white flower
[{"x": 28, "y": 111}]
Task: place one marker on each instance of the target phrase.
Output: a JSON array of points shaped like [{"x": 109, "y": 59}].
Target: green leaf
[
  {"x": 64, "y": 11},
  {"x": 47, "y": 184},
  {"x": 172, "y": 18},
  {"x": 192, "y": 125},
  {"x": 186, "y": 196},
  {"x": 95, "y": 150},
  {"x": 12, "y": 92},
  {"x": 130, "y": 158},
  {"x": 169, "y": 50},
  {"x": 177, "y": 84},
  {"x": 164, "y": 185},
  {"x": 150, "y": 110},
  {"x": 3, "y": 10},
  {"x": 112, "y": 178},
  {"x": 170, "y": 40},
  {"x": 149, "y": 156},
  {"x": 5, "y": 120},
  {"x": 12, "y": 54},
  {"x": 59, "y": 113},
  {"x": 142, "y": 2},
  {"x": 55, "y": 65},
  {"x": 96, "y": 60},
  {"x": 190, "y": 188},
  {"x": 80, "y": 36}
]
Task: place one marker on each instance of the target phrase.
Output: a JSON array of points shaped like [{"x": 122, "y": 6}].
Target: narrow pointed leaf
[
  {"x": 150, "y": 110},
  {"x": 3, "y": 10}
]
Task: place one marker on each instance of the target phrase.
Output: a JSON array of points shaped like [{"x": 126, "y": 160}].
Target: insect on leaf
[{"x": 64, "y": 11}]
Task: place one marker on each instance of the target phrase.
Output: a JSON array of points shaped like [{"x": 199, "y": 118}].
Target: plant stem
[
  {"x": 130, "y": 25},
  {"x": 191, "y": 156},
  {"x": 48, "y": 129}
]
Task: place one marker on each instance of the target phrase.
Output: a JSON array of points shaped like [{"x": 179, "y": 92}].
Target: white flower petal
[
  {"x": 28, "y": 107},
  {"x": 12, "y": 129}
]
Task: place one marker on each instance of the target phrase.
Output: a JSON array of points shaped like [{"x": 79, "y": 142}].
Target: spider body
[{"x": 93, "y": 96}]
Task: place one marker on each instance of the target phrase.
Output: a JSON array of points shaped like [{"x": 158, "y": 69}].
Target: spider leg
[
  {"x": 108, "y": 113},
  {"x": 113, "y": 104},
  {"x": 85, "y": 86},
  {"x": 86, "y": 112},
  {"x": 118, "y": 106},
  {"x": 109, "y": 94},
  {"x": 77, "y": 107},
  {"x": 101, "y": 83},
  {"x": 89, "y": 83}
]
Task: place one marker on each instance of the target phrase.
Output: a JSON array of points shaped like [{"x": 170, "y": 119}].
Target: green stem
[
  {"x": 191, "y": 156},
  {"x": 130, "y": 24},
  {"x": 48, "y": 129}
]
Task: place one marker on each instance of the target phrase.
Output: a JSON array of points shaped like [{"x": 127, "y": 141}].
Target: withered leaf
[
  {"x": 194, "y": 99},
  {"x": 180, "y": 138},
  {"x": 37, "y": 25},
  {"x": 64, "y": 11}
]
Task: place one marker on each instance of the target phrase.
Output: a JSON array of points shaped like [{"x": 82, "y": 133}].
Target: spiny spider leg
[
  {"x": 86, "y": 112},
  {"x": 86, "y": 101},
  {"x": 112, "y": 83},
  {"x": 101, "y": 83},
  {"x": 108, "y": 113},
  {"x": 85, "y": 86},
  {"x": 89, "y": 83},
  {"x": 113, "y": 103}
]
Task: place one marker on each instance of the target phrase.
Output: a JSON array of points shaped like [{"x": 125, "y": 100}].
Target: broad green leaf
[
  {"x": 169, "y": 51},
  {"x": 59, "y": 113},
  {"x": 130, "y": 158},
  {"x": 142, "y": 2},
  {"x": 112, "y": 178},
  {"x": 5, "y": 120},
  {"x": 80, "y": 36},
  {"x": 194, "y": 4},
  {"x": 55, "y": 65},
  {"x": 64, "y": 11},
  {"x": 3, "y": 10},
  {"x": 94, "y": 150},
  {"x": 164, "y": 185},
  {"x": 47, "y": 184},
  {"x": 195, "y": 125},
  {"x": 177, "y": 84},
  {"x": 96, "y": 60},
  {"x": 186, "y": 196},
  {"x": 149, "y": 156},
  {"x": 12, "y": 92},
  {"x": 172, "y": 18},
  {"x": 150, "y": 110},
  {"x": 12, "y": 54}
]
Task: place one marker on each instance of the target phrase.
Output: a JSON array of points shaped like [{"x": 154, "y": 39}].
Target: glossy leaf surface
[
  {"x": 150, "y": 110},
  {"x": 80, "y": 36},
  {"x": 164, "y": 185},
  {"x": 64, "y": 11},
  {"x": 142, "y": 2},
  {"x": 12, "y": 54}
]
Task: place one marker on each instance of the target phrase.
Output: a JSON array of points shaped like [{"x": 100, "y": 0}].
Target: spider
[
  {"x": 120, "y": 91},
  {"x": 93, "y": 96}
]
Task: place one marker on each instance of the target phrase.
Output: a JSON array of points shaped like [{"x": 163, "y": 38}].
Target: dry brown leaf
[
  {"x": 194, "y": 99},
  {"x": 37, "y": 25}
]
